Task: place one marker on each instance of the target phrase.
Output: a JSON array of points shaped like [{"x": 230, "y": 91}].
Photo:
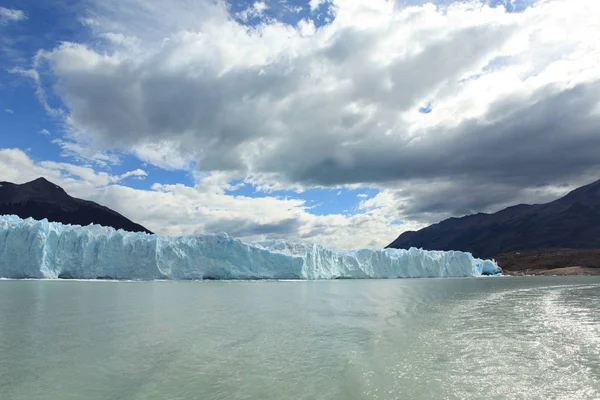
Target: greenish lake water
[{"x": 486, "y": 338}]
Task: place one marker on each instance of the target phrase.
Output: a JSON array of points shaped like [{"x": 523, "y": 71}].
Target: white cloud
[
  {"x": 11, "y": 15},
  {"x": 40, "y": 92},
  {"x": 315, "y": 4},
  {"x": 166, "y": 155},
  {"x": 87, "y": 175},
  {"x": 257, "y": 101},
  {"x": 16, "y": 166},
  {"x": 286, "y": 106},
  {"x": 85, "y": 154},
  {"x": 260, "y": 6},
  {"x": 294, "y": 9},
  {"x": 9, "y": 111},
  {"x": 179, "y": 209},
  {"x": 307, "y": 27},
  {"x": 45, "y": 132},
  {"x": 119, "y": 39},
  {"x": 138, "y": 173},
  {"x": 256, "y": 10}
]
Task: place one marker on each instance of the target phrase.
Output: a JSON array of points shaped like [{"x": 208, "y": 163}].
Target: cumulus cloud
[
  {"x": 516, "y": 98},
  {"x": 205, "y": 207}
]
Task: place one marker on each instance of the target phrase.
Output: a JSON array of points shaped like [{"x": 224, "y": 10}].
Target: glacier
[{"x": 50, "y": 250}]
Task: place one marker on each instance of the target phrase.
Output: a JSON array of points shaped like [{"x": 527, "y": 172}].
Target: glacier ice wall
[{"x": 42, "y": 249}]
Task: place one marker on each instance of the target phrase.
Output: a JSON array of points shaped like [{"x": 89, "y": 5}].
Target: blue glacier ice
[{"x": 42, "y": 249}]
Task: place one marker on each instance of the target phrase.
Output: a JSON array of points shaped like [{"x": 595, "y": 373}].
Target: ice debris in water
[{"x": 42, "y": 249}]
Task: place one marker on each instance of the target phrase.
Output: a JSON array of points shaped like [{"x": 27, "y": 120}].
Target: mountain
[
  {"x": 572, "y": 221},
  {"x": 41, "y": 199}
]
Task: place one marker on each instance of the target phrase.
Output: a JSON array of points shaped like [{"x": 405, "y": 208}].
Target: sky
[{"x": 339, "y": 122}]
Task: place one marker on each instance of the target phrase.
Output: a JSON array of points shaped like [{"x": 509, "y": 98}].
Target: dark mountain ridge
[
  {"x": 41, "y": 199},
  {"x": 572, "y": 221}
]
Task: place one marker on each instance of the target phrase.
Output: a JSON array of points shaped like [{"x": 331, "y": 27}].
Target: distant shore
[
  {"x": 547, "y": 262},
  {"x": 575, "y": 271}
]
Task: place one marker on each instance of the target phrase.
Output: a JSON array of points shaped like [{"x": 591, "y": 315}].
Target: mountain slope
[
  {"x": 572, "y": 221},
  {"x": 41, "y": 199}
]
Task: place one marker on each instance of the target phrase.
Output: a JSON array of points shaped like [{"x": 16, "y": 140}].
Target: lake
[{"x": 472, "y": 338}]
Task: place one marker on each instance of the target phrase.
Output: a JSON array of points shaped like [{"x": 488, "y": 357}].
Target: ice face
[{"x": 42, "y": 249}]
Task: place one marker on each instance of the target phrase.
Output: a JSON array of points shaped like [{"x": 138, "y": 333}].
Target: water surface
[{"x": 486, "y": 338}]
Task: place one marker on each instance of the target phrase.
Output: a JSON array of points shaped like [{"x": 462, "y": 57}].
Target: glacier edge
[{"x": 50, "y": 250}]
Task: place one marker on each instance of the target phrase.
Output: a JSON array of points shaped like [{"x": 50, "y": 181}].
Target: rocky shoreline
[
  {"x": 574, "y": 271},
  {"x": 550, "y": 262}
]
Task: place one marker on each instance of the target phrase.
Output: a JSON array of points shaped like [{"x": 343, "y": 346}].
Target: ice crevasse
[{"x": 42, "y": 249}]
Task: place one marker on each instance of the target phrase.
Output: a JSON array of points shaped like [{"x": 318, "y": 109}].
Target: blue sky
[
  {"x": 277, "y": 110},
  {"x": 26, "y": 124}
]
